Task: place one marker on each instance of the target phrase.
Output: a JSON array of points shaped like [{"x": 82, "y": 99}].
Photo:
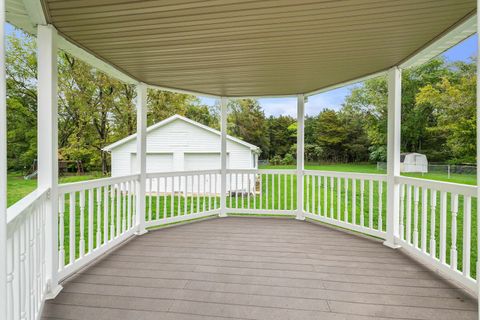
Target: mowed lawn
[{"x": 167, "y": 206}]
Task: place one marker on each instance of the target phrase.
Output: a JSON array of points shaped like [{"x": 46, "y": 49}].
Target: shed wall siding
[{"x": 179, "y": 137}]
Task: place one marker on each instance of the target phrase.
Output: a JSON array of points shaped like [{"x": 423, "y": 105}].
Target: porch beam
[
  {"x": 393, "y": 155},
  {"x": 3, "y": 169},
  {"x": 223, "y": 154},
  {"x": 300, "y": 154},
  {"x": 141, "y": 156},
  {"x": 47, "y": 141}
]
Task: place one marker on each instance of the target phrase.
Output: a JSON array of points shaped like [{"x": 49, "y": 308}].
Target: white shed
[
  {"x": 413, "y": 162},
  {"x": 181, "y": 144}
]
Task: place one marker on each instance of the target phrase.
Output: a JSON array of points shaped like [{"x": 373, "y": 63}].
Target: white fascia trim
[
  {"x": 346, "y": 83},
  {"x": 174, "y": 90},
  {"x": 456, "y": 35},
  {"x": 95, "y": 62}
]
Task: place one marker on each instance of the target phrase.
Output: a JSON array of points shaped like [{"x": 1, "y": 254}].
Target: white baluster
[
  {"x": 415, "y": 216},
  {"x": 467, "y": 234},
  {"x": 99, "y": 217},
  {"x": 409, "y": 215},
  {"x": 90, "y": 219},
  {"x": 165, "y": 186},
  {"x": 72, "y": 227},
  {"x": 105, "y": 215},
  {"x": 331, "y": 197},
  {"x": 119, "y": 210},
  {"x": 112, "y": 212},
  {"x": 339, "y": 198},
  {"x": 266, "y": 192},
  {"x": 362, "y": 209},
  {"x": 10, "y": 278},
  {"x": 61, "y": 232},
  {"x": 354, "y": 201},
  {"x": 443, "y": 227},
  {"x": 82, "y": 224},
  {"x": 453, "y": 249},
  {"x": 325, "y": 196},
  {"x": 346, "y": 200},
  {"x": 402, "y": 211},
  {"x": 370, "y": 204},
  {"x": 307, "y": 190},
  {"x": 433, "y": 209},
  {"x": 23, "y": 272},
  {"x": 380, "y": 205},
  {"x": 424, "y": 219},
  {"x": 284, "y": 193}
]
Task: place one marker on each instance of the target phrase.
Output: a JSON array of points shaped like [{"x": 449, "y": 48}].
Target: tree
[
  {"x": 331, "y": 135},
  {"x": 21, "y": 72},
  {"x": 246, "y": 120}
]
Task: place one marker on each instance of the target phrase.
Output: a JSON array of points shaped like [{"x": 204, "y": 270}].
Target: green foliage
[{"x": 288, "y": 160}]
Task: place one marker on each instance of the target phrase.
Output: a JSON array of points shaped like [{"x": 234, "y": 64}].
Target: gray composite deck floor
[{"x": 252, "y": 268}]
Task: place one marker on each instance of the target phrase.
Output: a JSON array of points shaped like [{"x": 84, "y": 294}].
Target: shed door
[
  {"x": 202, "y": 161},
  {"x": 160, "y": 162}
]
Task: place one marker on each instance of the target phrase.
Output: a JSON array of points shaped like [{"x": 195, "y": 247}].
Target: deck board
[{"x": 250, "y": 268}]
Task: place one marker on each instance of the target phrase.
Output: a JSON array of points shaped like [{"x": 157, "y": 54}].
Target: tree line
[{"x": 438, "y": 115}]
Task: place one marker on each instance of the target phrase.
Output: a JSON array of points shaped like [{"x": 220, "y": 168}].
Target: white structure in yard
[
  {"x": 181, "y": 144},
  {"x": 413, "y": 162}
]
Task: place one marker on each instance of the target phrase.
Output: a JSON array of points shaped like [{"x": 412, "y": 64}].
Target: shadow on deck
[{"x": 251, "y": 268}]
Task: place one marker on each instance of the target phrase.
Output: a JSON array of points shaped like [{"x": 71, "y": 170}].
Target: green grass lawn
[
  {"x": 18, "y": 187},
  {"x": 168, "y": 206},
  {"x": 470, "y": 179}
]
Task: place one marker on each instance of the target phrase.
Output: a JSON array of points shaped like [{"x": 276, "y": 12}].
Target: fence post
[
  {"x": 223, "y": 154},
  {"x": 48, "y": 146},
  {"x": 141, "y": 156},
  {"x": 300, "y": 154},
  {"x": 393, "y": 155}
]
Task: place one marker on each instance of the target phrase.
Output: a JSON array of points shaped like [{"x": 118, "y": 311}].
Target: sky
[{"x": 333, "y": 99}]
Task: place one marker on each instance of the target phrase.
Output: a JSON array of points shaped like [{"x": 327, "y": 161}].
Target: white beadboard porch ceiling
[{"x": 254, "y": 48}]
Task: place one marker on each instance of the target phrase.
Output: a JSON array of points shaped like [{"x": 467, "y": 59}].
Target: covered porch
[{"x": 329, "y": 245}]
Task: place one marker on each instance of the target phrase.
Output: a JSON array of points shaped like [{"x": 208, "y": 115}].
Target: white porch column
[
  {"x": 141, "y": 155},
  {"x": 393, "y": 154},
  {"x": 300, "y": 154},
  {"x": 223, "y": 155},
  {"x": 47, "y": 137},
  {"x": 478, "y": 151},
  {"x": 3, "y": 169}
]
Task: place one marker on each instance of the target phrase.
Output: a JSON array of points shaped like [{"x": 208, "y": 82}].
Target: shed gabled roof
[
  {"x": 252, "y": 47},
  {"x": 179, "y": 117}
]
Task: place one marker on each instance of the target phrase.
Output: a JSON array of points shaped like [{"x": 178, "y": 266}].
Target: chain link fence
[{"x": 447, "y": 169}]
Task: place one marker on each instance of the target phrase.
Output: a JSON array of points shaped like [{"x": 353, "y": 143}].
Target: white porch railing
[
  {"x": 26, "y": 254},
  {"x": 261, "y": 191},
  {"x": 435, "y": 219},
  {"x": 354, "y": 201},
  {"x": 180, "y": 196},
  {"x": 93, "y": 217},
  {"x": 436, "y": 226}
]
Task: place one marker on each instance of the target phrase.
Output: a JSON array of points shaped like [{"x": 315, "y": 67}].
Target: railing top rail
[
  {"x": 25, "y": 204},
  {"x": 181, "y": 173},
  {"x": 262, "y": 171},
  {"x": 356, "y": 175},
  {"x": 457, "y": 188},
  {"x": 89, "y": 184}
]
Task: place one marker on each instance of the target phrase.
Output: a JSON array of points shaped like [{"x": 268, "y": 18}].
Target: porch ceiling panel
[{"x": 254, "y": 48}]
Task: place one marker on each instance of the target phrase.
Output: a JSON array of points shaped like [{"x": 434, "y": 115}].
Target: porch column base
[
  {"x": 222, "y": 214},
  {"x": 300, "y": 216},
  {"x": 53, "y": 292},
  {"x": 141, "y": 232},
  {"x": 391, "y": 245}
]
